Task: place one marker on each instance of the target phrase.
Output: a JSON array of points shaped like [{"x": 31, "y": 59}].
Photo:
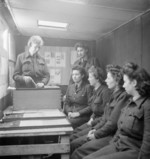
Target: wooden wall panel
[
  {"x": 56, "y": 55},
  {"x": 123, "y": 44},
  {"x": 146, "y": 41},
  {"x": 128, "y": 42},
  {"x": 105, "y": 49}
]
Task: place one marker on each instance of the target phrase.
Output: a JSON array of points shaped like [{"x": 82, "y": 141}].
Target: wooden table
[{"x": 30, "y": 124}]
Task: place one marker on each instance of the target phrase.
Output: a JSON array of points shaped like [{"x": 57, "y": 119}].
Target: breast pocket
[
  {"x": 138, "y": 120},
  {"x": 131, "y": 120},
  {"x": 97, "y": 101},
  {"x": 27, "y": 66},
  {"x": 98, "y": 107},
  {"x": 41, "y": 66},
  {"x": 81, "y": 97},
  {"x": 41, "y": 63}
]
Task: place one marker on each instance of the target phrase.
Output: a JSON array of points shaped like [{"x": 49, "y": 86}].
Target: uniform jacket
[
  {"x": 78, "y": 100},
  {"x": 134, "y": 128},
  {"x": 98, "y": 101},
  {"x": 92, "y": 61},
  {"x": 34, "y": 67},
  {"x": 108, "y": 123}
]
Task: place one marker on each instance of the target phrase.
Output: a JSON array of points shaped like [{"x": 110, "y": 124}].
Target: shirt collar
[
  {"x": 84, "y": 59},
  {"x": 79, "y": 85},
  {"x": 117, "y": 93},
  {"x": 99, "y": 89},
  {"x": 138, "y": 102},
  {"x": 27, "y": 54}
]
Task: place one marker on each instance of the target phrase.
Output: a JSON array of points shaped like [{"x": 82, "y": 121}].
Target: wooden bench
[{"x": 31, "y": 124}]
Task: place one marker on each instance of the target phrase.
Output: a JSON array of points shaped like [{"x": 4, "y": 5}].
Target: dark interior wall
[
  {"x": 104, "y": 47},
  {"x": 21, "y": 42},
  {"x": 129, "y": 42},
  {"x": 146, "y": 40}
]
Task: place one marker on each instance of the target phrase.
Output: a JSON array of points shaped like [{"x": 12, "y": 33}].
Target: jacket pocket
[
  {"x": 97, "y": 101},
  {"x": 41, "y": 65},
  {"x": 41, "y": 62},
  {"x": 138, "y": 120},
  {"x": 27, "y": 66}
]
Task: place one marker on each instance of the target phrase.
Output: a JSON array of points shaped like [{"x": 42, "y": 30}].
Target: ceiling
[{"x": 87, "y": 21}]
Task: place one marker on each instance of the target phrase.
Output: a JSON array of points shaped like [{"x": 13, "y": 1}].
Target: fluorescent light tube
[
  {"x": 76, "y": 1},
  {"x": 52, "y": 25}
]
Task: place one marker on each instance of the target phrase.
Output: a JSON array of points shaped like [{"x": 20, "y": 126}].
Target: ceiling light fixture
[
  {"x": 76, "y": 1},
  {"x": 52, "y": 25}
]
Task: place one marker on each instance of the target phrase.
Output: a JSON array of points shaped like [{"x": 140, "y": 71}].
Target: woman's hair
[
  {"x": 82, "y": 71},
  {"x": 134, "y": 72},
  {"x": 97, "y": 73},
  {"x": 116, "y": 72},
  {"x": 36, "y": 40}
]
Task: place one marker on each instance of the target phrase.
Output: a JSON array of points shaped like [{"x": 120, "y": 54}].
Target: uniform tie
[{"x": 76, "y": 87}]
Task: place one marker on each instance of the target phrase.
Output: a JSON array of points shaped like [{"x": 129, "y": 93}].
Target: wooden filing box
[{"x": 34, "y": 99}]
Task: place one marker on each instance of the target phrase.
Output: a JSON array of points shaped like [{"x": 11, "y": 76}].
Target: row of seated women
[{"x": 110, "y": 117}]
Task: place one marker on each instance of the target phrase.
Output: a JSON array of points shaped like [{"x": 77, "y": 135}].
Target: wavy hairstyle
[
  {"x": 116, "y": 72},
  {"x": 36, "y": 40},
  {"x": 82, "y": 72},
  {"x": 97, "y": 73},
  {"x": 134, "y": 72},
  {"x": 82, "y": 45}
]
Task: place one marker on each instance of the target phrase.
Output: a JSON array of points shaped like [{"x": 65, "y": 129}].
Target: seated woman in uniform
[
  {"x": 99, "y": 135},
  {"x": 77, "y": 98},
  {"x": 132, "y": 139},
  {"x": 98, "y": 101},
  {"x": 31, "y": 70}
]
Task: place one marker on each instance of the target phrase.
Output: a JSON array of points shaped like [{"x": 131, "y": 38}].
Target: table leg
[
  {"x": 65, "y": 139},
  {"x": 31, "y": 141},
  {"x": 65, "y": 156}
]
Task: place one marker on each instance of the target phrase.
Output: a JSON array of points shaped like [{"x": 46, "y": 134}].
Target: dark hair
[
  {"x": 97, "y": 73},
  {"x": 81, "y": 70},
  {"x": 116, "y": 72},
  {"x": 82, "y": 45},
  {"x": 134, "y": 72}
]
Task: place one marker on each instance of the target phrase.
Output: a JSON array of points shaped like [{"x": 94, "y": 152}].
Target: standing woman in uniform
[
  {"x": 31, "y": 70},
  {"x": 132, "y": 139},
  {"x": 85, "y": 59},
  {"x": 77, "y": 98}
]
